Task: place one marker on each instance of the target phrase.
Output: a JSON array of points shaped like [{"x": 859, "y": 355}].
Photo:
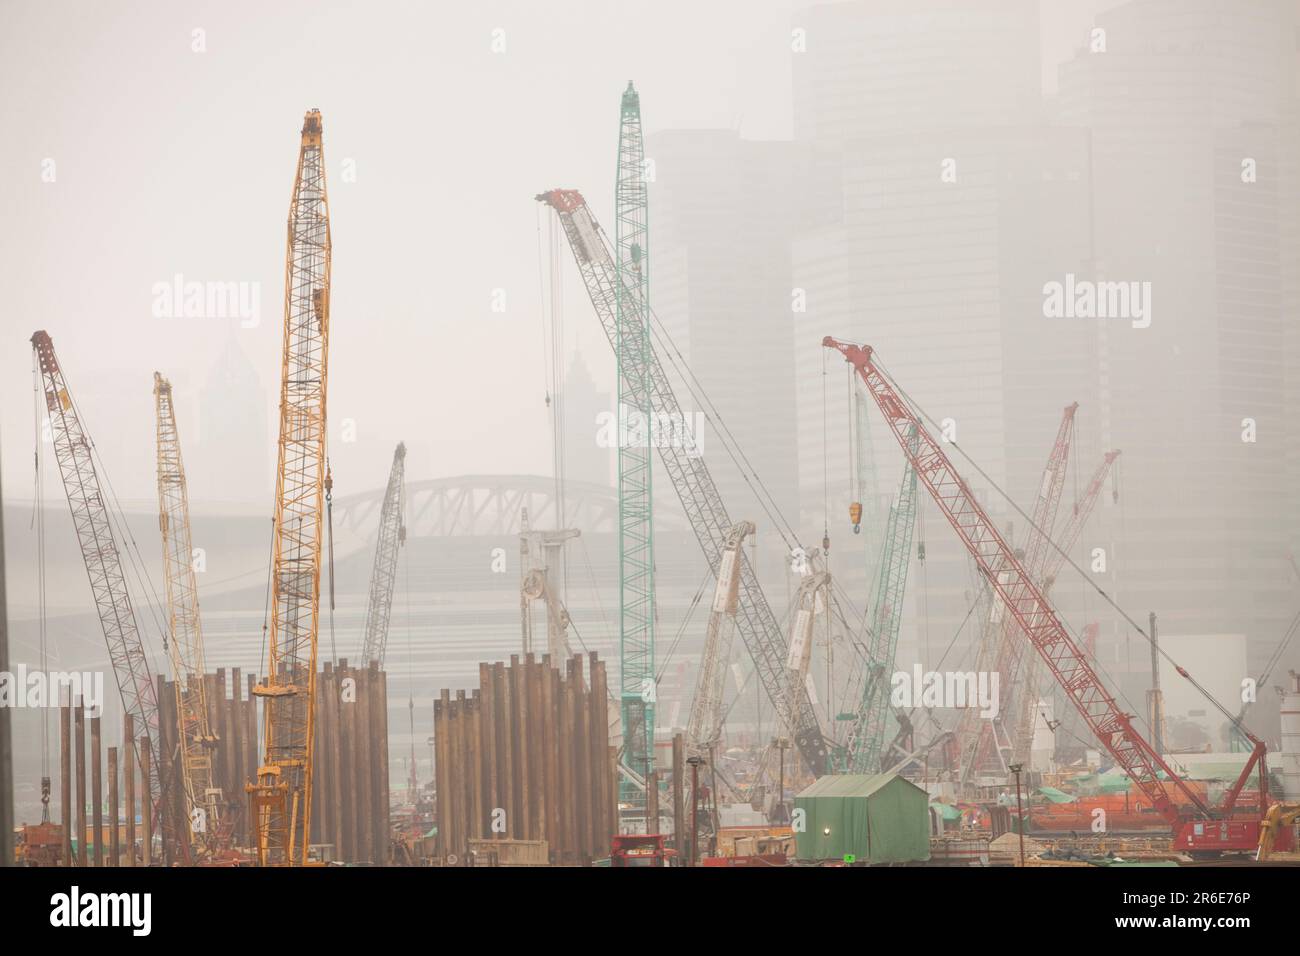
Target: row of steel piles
[
  {"x": 350, "y": 799},
  {"x": 233, "y": 721},
  {"x": 526, "y": 756},
  {"x": 350, "y": 808},
  {"x": 102, "y": 842}
]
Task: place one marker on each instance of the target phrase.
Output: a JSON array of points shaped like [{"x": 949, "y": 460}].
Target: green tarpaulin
[
  {"x": 879, "y": 818},
  {"x": 1055, "y": 796},
  {"x": 947, "y": 811},
  {"x": 1093, "y": 784}
]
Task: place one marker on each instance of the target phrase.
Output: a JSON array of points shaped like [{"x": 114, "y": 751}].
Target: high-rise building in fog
[
  {"x": 723, "y": 211},
  {"x": 231, "y": 457},
  {"x": 1190, "y": 111},
  {"x": 584, "y": 458},
  {"x": 882, "y": 67},
  {"x": 955, "y": 203}
]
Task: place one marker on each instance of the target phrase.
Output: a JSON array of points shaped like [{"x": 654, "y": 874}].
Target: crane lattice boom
[
  {"x": 99, "y": 550},
  {"x": 811, "y": 603},
  {"x": 1020, "y": 670},
  {"x": 698, "y": 492},
  {"x": 383, "y": 576},
  {"x": 1013, "y": 727},
  {"x": 865, "y": 744},
  {"x": 972, "y": 731},
  {"x": 1067, "y": 662},
  {"x": 203, "y": 799},
  {"x": 281, "y": 798},
  {"x": 704, "y": 727},
  {"x": 635, "y": 497}
]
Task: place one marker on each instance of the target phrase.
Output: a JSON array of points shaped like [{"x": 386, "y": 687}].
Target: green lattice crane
[
  {"x": 864, "y": 745},
  {"x": 635, "y": 410}
]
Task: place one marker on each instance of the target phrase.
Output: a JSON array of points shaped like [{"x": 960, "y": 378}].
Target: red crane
[
  {"x": 1020, "y": 717},
  {"x": 1196, "y": 827},
  {"x": 1014, "y": 723},
  {"x": 972, "y": 732}
]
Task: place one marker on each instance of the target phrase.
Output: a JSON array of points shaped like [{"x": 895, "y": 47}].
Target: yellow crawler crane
[
  {"x": 280, "y": 799},
  {"x": 1280, "y": 817},
  {"x": 203, "y": 800}
]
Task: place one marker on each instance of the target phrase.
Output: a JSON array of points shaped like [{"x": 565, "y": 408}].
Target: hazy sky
[{"x": 168, "y": 161}]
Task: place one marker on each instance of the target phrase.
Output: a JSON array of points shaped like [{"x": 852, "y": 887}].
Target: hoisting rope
[
  {"x": 410, "y": 648},
  {"x": 38, "y": 520},
  {"x": 329, "y": 512},
  {"x": 1064, "y": 556}
]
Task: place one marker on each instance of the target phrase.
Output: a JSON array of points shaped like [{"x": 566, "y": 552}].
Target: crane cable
[
  {"x": 740, "y": 691},
  {"x": 1273, "y": 659},
  {"x": 1064, "y": 555},
  {"x": 970, "y": 610},
  {"x": 925, "y": 577},
  {"x": 730, "y": 445},
  {"x": 1037, "y": 689},
  {"x": 855, "y": 477},
  {"x": 681, "y": 630},
  {"x": 410, "y": 648},
  {"x": 38, "y": 521},
  {"x": 266, "y": 608},
  {"x": 595, "y": 592},
  {"x": 922, "y": 413},
  {"x": 329, "y": 512},
  {"x": 856, "y": 675},
  {"x": 765, "y": 500},
  {"x": 541, "y": 293},
  {"x": 116, "y": 517},
  {"x": 549, "y": 281},
  {"x": 1123, "y": 536},
  {"x": 560, "y": 443},
  {"x": 826, "y": 471}
]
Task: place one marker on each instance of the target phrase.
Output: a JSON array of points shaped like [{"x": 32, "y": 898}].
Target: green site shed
[{"x": 873, "y": 818}]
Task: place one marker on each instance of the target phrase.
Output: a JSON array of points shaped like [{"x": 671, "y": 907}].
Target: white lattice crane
[
  {"x": 203, "y": 799},
  {"x": 704, "y": 726}
]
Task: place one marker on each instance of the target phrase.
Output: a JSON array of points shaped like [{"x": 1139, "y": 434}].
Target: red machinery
[
  {"x": 40, "y": 844},
  {"x": 1196, "y": 827},
  {"x": 639, "y": 849}
]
